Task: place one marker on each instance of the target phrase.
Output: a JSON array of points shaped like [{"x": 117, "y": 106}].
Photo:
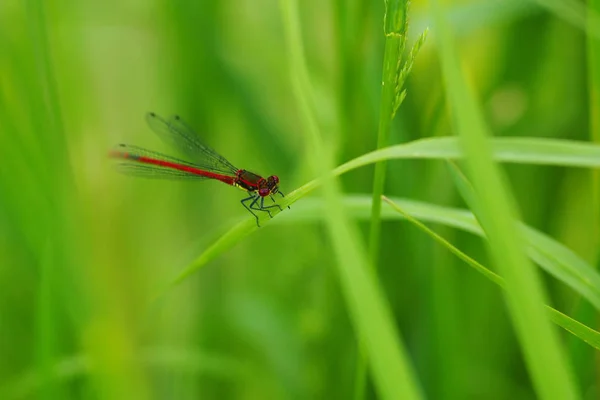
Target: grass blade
[
  {"x": 578, "y": 329},
  {"x": 366, "y": 304},
  {"x": 552, "y": 256},
  {"x": 574, "y": 13},
  {"x": 513, "y": 150},
  {"x": 572, "y": 270},
  {"x": 524, "y": 292},
  {"x": 395, "y": 27}
]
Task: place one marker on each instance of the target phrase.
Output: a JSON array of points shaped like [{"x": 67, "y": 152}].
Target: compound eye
[
  {"x": 262, "y": 192},
  {"x": 275, "y": 178}
]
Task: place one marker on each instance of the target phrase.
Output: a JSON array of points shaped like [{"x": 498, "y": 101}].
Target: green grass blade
[
  {"x": 578, "y": 329},
  {"x": 366, "y": 304},
  {"x": 222, "y": 244},
  {"x": 492, "y": 276},
  {"x": 56, "y": 185},
  {"x": 593, "y": 49},
  {"x": 524, "y": 291},
  {"x": 395, "y": 38},
  {"x": 394, "y": 29},
  {"x": 512, "y": 150},
  {"x": 574, "y": 13},
  {"x": 552, "y": 256},
  {"x": 560, "y": 262},
  {"x": 564, "y": 265},
  {"x": 593, "y": 59}
]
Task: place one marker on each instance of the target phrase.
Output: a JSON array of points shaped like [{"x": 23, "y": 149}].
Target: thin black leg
[
  {"x": 243, "y": 201},
  {"x": 254, "y": 205},
  {"x": 276, "y": 205},
  {"x": 265, "y": 208},
  {"x": 260, "y": 207},
  {"x": 282, "y": 196}
]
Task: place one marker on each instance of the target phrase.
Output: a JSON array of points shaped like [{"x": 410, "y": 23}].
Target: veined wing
[
  {"x": 137, "y": 161},
  {"x": 146, "y": 171},
  {"x": 176, "y": 133}
]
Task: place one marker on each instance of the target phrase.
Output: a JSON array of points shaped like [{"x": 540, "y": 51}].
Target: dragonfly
[{"x": 206, "y": 164}]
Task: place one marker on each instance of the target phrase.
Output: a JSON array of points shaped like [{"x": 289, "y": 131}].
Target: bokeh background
[{"x": 84, "y": 251}]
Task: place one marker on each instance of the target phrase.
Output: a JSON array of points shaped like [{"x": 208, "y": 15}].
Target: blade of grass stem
[
  {"x": 593, "y": 58},
  {"x": 593, "y": 49},
  {"x": 524, "y": 293},
  {"x": 575, "y": 13},
  {"x": 572, "y": 326},
  {"x": 395, "y": 42},
  {"x": 367, "y": 307},
  {"x": 552, "y": 256},
  {"x": 512, "y": 150}
]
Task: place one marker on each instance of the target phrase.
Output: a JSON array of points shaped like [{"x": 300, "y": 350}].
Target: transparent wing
[
  {"x": 145, "y": 171},
  {"x": 176, "y": 133},
  {"x": 136, "y": 161}
]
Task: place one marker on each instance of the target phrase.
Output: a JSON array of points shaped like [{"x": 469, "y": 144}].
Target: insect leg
[
  {"x": 276, "y": 205},
  {"x": 243, "y": 201},
  {"x": 260, "y": 207},
  {"x": 282, "y": 196},
  {"x": 264, "y": 208}
]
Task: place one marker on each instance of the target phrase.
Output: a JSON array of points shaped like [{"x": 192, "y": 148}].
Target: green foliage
[
  {"x": 581, "y": 331},
  {"x": 117, "y": 288},
  {"x": 492, "y": 202}
]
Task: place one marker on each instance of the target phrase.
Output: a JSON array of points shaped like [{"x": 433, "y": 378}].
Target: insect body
[{"x": 207, "y": 164}]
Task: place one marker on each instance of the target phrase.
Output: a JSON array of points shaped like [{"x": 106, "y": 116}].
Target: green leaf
[
  {"x": 368, "y": 309},
  {"x": 556, "y": 260},
  {"x": 554, "y": 257},
  {"x": 496, "y": 210},
  {"x": 515, "y": 150},
  {"x": 578, "y": 329}
]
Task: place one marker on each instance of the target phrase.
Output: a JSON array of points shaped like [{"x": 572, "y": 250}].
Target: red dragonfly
[{"x": 208, "y": 164}]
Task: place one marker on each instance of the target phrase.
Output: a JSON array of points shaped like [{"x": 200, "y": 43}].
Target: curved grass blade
[
  {"x": 514, "y": 150},
  {"x": 578, "y": 329},
  {"x": 554, "y": 257},
  {"x": 575, "y": 13},
  {"x": 496, "y": 210},
  {"x": 574, "y": 272},
  {"x": 367, "y": 307}
]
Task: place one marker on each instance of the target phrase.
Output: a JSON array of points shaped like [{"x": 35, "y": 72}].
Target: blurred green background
[{"x": 84, "y": 251}]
